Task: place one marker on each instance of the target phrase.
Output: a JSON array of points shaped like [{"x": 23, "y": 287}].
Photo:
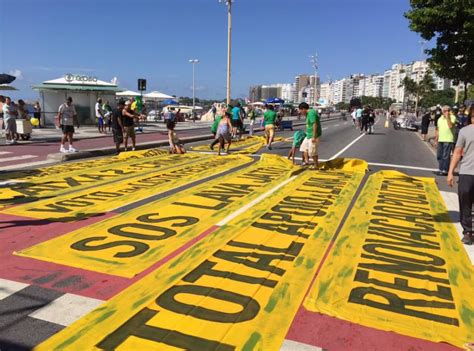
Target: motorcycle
[{"x": 405, "y": 123}]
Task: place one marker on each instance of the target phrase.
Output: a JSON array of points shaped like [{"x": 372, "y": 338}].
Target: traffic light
[{"x": 141, "y": 84}]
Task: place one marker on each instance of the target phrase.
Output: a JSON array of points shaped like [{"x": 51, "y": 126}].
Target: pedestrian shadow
[
  {"x": 446, "y": 217},
  {"x": 46, "y": 221},
  {"x": 378, "y": 134}
]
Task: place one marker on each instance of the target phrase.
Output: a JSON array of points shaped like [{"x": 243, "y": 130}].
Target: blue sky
[{"x": 153, "y": 39}]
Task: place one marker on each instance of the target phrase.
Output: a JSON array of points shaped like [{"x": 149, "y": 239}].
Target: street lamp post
[
  {"x": 314, "y": 63},
  {"x": 229, "y": 43},
  {"x": 193, "y": 62}
]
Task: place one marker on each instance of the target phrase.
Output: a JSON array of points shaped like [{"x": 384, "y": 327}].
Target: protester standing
[
  {"x": 236, "y": 121},
  {"x": 214, "y": 128},
  {"x": 99, "y": 115},
  {"x": 67, "y": 118},
  {"x": 37, "y": 112},
  {"x": 445, "y": 140},
  {"x": 465, "y": 150},
  {"x": 309, "y": 146},
  {"x": 117, "y": 124},
  {"x": 269, "y": 120},
  {"x": 425, "y": 123},
  {"x": 107, "y": 110},
  {"x": 128, "y": 119},
  {"x": 9, "y": 119},
  {"x": 252, "y": 114},
  {"x": 364, "y": 125}
]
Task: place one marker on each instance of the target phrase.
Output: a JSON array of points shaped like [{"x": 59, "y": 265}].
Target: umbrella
[
  {"x": 274, "y": 101},
  {"x": 128, "y": 93},
  {"x": 156, "y": 95},
  {"x": 7, "y": 87},
  {"x": 170, "y": 102},
  {"x": 6, "y": 78}
]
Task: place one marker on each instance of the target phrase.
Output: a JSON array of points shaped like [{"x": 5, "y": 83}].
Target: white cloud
[{"x": 16, "y": 73}]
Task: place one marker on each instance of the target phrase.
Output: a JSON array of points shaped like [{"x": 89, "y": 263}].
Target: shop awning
[{"x": 76, "y": 87}]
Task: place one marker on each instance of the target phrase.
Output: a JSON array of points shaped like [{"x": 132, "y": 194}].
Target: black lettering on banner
[
  {"x": 51, "y": 208},
  {"x": 403, "y": 268},
  {"x": 287, "y": 229},
  {"x": 166, "y": 232},
  {"x": 442, "y": 292},
  {"x": 137, "y": 327},
  {"x": 207, "y": 268},
  {"x": 249, "y": 306},
  {"x": 139, "y": 247},
  {"x": 361, "y": 296},
  {"x": 375, "y": 249},
  {"x": 293, "y": 249},
  {"x": 75, "y": 203},
  {"x": 261, "y": 262}
]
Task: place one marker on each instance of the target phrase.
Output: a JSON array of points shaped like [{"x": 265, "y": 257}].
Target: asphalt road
[{"x": 21, "y": 329}]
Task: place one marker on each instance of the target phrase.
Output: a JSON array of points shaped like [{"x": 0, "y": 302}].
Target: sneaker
[
  {"x": 211, "y": 147},
  {"x": 269, "y": 147},
  {"x": 63, "y": 150},
  {"x": 467, "y": 239},
  {"x": 71, "y": 149},
  {"x": 133, "y": 149}
]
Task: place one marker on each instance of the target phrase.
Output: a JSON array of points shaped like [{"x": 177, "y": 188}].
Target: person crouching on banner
[
  {"x": 224, "y": 133},
  {"x": 214, "y": 126},
  {"x": 465, "y": 150},
  {"x": 176, "y": 147},
  {"x": 298, "y": 138}
]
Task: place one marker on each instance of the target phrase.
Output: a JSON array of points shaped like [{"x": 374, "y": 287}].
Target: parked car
[{"x": 154, "y": 116}]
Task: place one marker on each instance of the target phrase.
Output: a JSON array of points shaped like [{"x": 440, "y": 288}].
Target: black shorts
[
  {"x": 237, "y": 123},
  {"x": 67, "y": 129},
  {"x": 118, "y": 136}
]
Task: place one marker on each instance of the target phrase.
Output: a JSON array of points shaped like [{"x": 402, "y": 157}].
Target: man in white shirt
[
  {"x": 9, "y": 118},
  {"x": 67, "y": 116},
  {"x": 99, "y": 115}
]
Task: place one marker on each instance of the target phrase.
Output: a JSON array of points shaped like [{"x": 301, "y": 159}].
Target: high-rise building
[{"x": 255, "y": 93}]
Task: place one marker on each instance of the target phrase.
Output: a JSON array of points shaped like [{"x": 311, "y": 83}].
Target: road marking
[
  {"x": 402, "y": 166},
  {"x": 253, "y": 203},
  {"x": 16, "y": 158},
  {"x": 347, "y": 147},
  {"x": 290, "y": 345},
  {"x": 336, "y": 125},
  {"x": 5, "y": 152},
  {"x": 66, "y": 309},
  {"x": 9, "y": 287},
  {"x": 26, "y": 165},
  {"x": 324, "y": 128},
  {"x": 452, "y": 204}
]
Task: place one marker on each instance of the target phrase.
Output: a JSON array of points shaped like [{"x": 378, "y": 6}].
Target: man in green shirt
[
  {"x": 309, "y": 146},
  {"x": 269, "y": 118},
  {"x": 445, "y": 140}
]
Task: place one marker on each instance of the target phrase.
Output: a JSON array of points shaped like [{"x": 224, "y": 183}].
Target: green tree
[
  {"x": 342, "y": 106},
  {"x": 419, "y": 90},
  {"x": 441, "y": 97},
  {"x": 451, "y": 23}
]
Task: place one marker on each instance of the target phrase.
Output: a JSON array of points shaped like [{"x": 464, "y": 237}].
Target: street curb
[{"x": 107, "y": 151}]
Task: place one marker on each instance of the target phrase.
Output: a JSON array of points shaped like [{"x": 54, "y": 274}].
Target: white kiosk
[{"x": 84, "y": 90}]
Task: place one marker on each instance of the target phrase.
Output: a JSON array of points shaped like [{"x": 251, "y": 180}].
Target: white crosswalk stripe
[
  {"x": 9, "y": 287},
  {"x": 75, "y": 305},
  {"x": 17, "y": 158},
  {"x": 452, "y": 204}
]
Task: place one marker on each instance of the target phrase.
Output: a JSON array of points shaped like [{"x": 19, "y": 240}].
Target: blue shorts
[{"x": 101, "y": 122}]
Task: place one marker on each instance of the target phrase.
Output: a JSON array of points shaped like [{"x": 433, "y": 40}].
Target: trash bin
[{"x": 24, "y": 128}]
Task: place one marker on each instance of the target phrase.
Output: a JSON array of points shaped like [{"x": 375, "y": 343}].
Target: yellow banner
[
  {"x": 248, "y": 145},
  {"x": 238, "y": 289},
  {"x": 39, "y": 187},
  {"x": 109, "y": 196},
  {"x": 398, "y": 264},
  {"x": 80, "y": 166},
  {"x": 129, "y": 243}
]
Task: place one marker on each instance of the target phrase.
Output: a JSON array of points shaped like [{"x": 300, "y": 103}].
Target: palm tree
[{"x": 419, "y": 90}]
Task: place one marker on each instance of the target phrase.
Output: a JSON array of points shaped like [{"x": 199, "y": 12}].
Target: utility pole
[
  {"x": 229, "y": 44},
  {"x": 314, "y": 64},
  {"x": 193, "y": 62}
]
